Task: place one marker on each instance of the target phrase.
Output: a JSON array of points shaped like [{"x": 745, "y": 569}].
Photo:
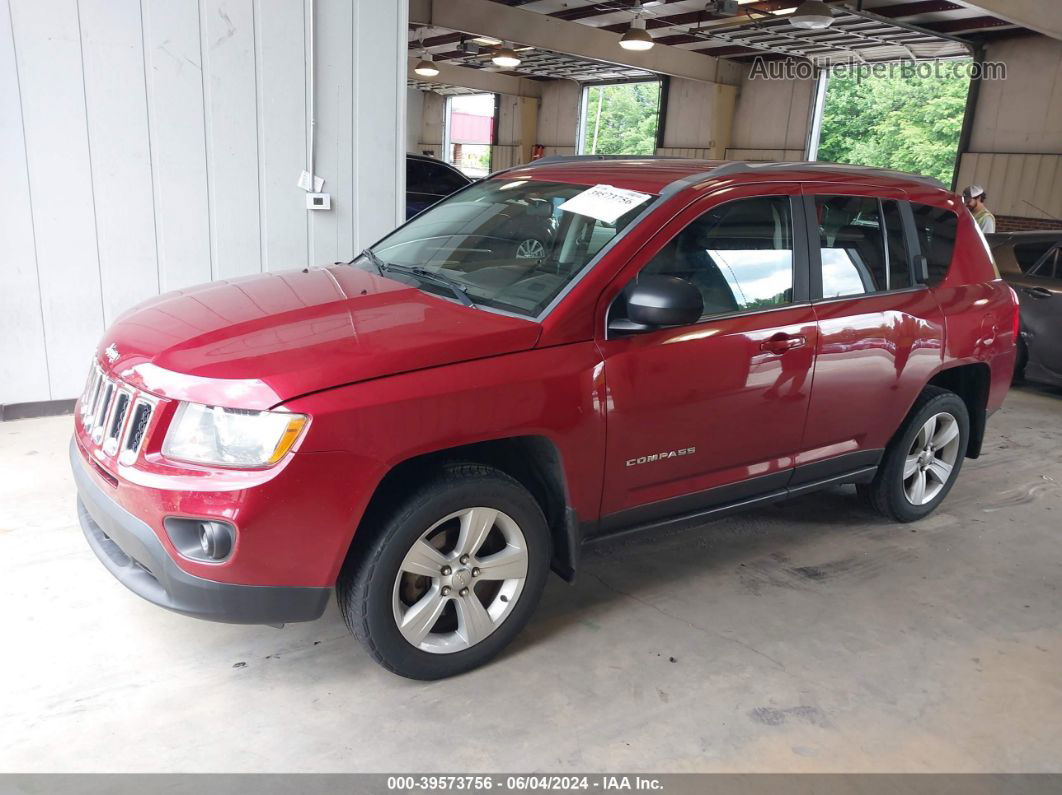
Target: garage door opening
[
  {"x": 470, "y": 132},
  {"x": 620, "y": 118},
  {"x": 906, "y": 116}
]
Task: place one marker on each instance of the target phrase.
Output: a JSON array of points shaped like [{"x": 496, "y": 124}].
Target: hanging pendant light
[
  {"x": 506, "y": 57},
  {"x": 812, "y": 15},
  {"x": 637, "y": 37},
  {"x": 426, "y": 65}
]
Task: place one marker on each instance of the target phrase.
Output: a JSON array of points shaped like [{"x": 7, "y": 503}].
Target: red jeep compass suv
[{"x": 433, "y": 426}]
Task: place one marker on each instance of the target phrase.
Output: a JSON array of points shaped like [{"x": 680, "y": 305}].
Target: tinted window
[
  {"x": 896, "y": 243},
  {"x": 1049, "y": 267},
  {"x": 739, "y": 255},
  {"x": 936, "y": 229},
  {"x": 852, "y": 246},
  {"x": 1028, "y": 254},
  {"x": 416, "y": 174},
  {"x": 446, "y": 180},
  {"x": 423, "y": 177}
]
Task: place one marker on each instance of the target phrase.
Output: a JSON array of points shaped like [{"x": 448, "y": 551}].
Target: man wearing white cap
[{"x": 975, "y": 196}]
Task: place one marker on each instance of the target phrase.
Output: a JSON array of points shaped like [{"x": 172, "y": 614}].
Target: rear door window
[
  {"x": 1049, "y": 266},
  {"x": 851, "y": 245},
  {"x": 936, "y": 229},
  {"x": 1029, "y": 254}
]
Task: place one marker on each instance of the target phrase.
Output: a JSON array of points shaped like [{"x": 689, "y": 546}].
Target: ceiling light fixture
[
  {"x": 637, "y": 37},
  {"x": 426, "y": 65},
  {"x": 506, "y": 56},
  {"x": 812, "y": 15}
]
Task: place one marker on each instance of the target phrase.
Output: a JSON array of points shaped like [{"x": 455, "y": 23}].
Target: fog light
[
  {"x": 215, "y": 540},
  {"x": 201, "y": 539}
]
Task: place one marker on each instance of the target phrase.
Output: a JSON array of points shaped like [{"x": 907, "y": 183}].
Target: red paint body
[{"x": 387, "y": 372}]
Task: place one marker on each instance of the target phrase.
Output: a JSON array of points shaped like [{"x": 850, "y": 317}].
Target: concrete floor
[{"x": 809, "y": 636}]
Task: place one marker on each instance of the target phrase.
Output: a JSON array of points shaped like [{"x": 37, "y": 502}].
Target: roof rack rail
[
  {"x": 740, "y": 167},
  {"x": 585, "y": 158}
]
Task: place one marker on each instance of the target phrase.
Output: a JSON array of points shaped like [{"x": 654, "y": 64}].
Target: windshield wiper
[
  {"x": 432, "y": 277},
  {"x": 370, "y": 255}
]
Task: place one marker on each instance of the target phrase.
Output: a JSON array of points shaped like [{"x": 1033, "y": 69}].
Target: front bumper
[{"x": 133, "y": 553}]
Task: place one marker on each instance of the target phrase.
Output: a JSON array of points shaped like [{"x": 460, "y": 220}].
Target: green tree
[
  {"x": 621, "y": 119},
  {"x": 904, "y": 121}
]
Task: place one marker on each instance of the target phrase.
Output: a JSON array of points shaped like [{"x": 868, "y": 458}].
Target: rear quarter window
[{"x": 936, "y": 228}]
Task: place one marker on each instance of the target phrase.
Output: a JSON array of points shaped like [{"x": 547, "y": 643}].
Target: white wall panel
[
  {"x": 231, "y": 114},
  {"x": 379, "y": 112},
  {"x": 173, "y": 58},
  {"x": 48, "y": 54},
  {"x": 149, "y": 145},
  {"x": 116, "y": 100},
  {"x": 281, "y": 58},
  {"x": 330, "y": 232},
  {"x": 23, "y": 359}
]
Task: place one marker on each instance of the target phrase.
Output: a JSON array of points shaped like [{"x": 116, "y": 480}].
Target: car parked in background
[
  {"x": 432, "y": 427},
  {"x": 428, "y": 181},
  {"x": 1031, "y": 262}
]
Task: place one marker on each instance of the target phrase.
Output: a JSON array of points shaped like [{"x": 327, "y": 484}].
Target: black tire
[
  {"x": 365, "y": 588},
  {"x": 886, "y": 494}
]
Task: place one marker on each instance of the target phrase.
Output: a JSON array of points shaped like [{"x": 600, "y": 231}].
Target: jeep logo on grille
[{"x": 111, "y": 352}]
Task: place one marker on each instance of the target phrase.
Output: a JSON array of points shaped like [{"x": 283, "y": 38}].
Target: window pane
[
  {"x": 739, "y": 255},
  {"x": 504, "y": 241},
  {"x": 899, "y": 262},
  {"x": 1049, "y": 267},
  {"x": 936, "y": 229},
  {"x": 853, "y": 253},
  {"x": 1028, "y": 254},
  {"x": 621, "y": 119}
]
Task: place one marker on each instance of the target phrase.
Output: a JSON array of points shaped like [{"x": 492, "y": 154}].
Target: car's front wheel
[
  {"x": 923, "y": 460},
  {"x": 451, "y": 576}
]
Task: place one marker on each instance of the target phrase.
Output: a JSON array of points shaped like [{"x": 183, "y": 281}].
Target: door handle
[
  {"x": 780, "y": 343},
  {"x": 1037, "y": 292}
]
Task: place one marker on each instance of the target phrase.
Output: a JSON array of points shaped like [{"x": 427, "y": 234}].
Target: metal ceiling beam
[
  {"x": 479, "y": 79},
  {"x": 486, "y": 18},
  {"x": 1043, "y": 16}
]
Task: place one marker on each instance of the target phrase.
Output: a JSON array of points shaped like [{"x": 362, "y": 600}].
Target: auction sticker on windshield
[{"x": 604, "y": 202}]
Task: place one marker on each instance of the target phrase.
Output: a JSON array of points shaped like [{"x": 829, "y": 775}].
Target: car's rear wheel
[
  {"x": 452, "y": 575},
  {"x": 923, "y": 460}
]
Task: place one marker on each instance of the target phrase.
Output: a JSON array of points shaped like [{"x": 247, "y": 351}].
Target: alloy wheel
[
  {"x": 460, "y": 580},
  {"x": 530, "y": 249},
  {"x": 931, "y": 459}
]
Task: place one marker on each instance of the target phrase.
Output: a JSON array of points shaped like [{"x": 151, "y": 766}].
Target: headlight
[{"x": 231, "y": 437}]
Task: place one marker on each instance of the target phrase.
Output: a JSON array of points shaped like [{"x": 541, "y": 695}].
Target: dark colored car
[
  {"x": 428, "y": 181},
  {"x": 432, "y": 428},
  {"x": 1031, "y": 262}
]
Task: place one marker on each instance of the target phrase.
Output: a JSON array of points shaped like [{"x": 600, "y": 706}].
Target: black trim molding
[{"x": 36, "y": 408}]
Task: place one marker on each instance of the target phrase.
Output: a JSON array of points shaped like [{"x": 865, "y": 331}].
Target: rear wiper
[{"x": 425, "y": 275}]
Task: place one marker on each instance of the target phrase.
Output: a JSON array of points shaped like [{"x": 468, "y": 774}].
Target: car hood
[{"x": 258, "y": 341}]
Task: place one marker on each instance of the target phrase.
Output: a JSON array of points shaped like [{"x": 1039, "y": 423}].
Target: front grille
[{"x": 115, "y": 416}]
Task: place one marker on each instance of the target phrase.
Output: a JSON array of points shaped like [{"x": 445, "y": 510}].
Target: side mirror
[{"x": 659, "y": 301}]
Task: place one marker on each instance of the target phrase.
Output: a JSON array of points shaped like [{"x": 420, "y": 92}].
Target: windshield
[{"x": 507, "y": 243}]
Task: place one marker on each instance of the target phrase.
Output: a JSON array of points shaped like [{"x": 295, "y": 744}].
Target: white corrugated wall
[{"x": 147, "y": 145}]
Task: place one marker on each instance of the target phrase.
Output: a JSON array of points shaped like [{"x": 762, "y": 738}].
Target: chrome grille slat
[{"x": 115, "y": 415}]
